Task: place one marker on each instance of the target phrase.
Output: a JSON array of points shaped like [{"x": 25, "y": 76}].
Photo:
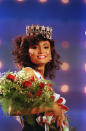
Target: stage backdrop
[{"x": 68, "y": 20}]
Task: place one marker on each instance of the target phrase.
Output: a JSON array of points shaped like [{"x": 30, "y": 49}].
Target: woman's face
[{"x": 40, "y": 53}]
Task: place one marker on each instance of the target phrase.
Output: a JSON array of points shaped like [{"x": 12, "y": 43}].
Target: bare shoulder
[{"x": 28, "y": 70}]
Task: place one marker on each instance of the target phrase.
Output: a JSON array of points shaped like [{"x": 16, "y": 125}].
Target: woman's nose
[{"x": 40, "y": 50}]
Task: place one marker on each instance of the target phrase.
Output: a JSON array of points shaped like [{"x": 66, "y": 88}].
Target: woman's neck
[{"x": 41, "y": 68}]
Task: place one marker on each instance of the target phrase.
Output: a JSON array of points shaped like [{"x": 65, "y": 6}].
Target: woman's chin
[{"x": 41, "y": 61}]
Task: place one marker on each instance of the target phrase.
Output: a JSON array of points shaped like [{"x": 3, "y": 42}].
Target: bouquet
[{"x": 23, "y": 93}]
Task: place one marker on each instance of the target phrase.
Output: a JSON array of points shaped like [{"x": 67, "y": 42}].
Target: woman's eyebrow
[{"x": 45, "y": 44}]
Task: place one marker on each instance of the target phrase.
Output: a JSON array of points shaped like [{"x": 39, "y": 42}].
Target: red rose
[
  {"x": 49, "y": 85},
  {"x": 26, "y": 83},
  {"x": 30, "y": 94},
  {"x": 50, "y": 89},
  {"x": 59, "y": 100},
  {"x": 31, "y": 78},
  {"x": 10, "y": 77},
  {"x": 38, "y": 93},
  {"x": 52, "y": 97},
  {"x": 42, "y": 85}
]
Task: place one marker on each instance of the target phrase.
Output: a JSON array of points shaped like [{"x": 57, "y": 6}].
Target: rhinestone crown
[{"x": 36, "y": 29}]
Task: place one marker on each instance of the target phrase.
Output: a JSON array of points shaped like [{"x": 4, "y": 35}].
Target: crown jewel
[{"x": 36, "y": 29}]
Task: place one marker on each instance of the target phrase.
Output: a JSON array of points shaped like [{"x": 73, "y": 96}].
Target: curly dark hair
[{"x": 21, "y": 57}]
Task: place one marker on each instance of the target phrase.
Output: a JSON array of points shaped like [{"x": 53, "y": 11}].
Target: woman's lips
[{"x": 41, "y": 56}]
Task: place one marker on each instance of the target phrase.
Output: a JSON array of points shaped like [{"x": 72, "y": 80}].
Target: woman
[{"x": 36, "y": 52}]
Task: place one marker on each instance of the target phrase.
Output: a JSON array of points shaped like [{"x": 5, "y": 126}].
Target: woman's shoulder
[{"x": 28, "y": 70}]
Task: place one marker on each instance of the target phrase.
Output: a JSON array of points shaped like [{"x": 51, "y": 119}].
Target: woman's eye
[{"x": 46, "y": 47}]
